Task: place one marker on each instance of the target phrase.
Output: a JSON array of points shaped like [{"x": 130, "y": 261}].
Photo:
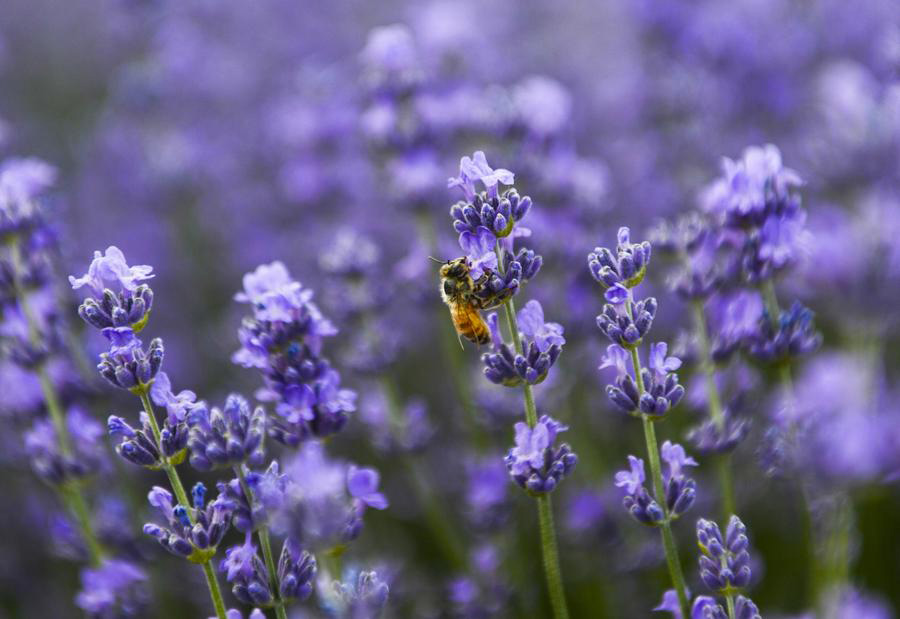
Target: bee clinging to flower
[{"x": 459, "y": 292}]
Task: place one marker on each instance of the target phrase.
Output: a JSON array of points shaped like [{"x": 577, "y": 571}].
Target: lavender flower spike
[
  {"x": 196, "y": 542},
  {"x": 534, "y": 463},
  {"x": 541, "y": 346},
  {"x": 226, "y": 437},
  {"x": 725, "y": 563}
]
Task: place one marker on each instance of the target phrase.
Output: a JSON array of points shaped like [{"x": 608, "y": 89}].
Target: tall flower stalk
[
  {"x": 487, "y": 227},
  {"x": 192, "y": 530},
  {"x": 65, "y": 449},
  {"x": 646, "y": 393}
]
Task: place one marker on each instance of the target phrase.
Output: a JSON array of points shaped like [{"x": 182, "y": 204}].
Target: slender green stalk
[
  {"x": 714, "y": 403},
  {"x": 729, "y": 600},
  {"x": 214, "y": 591},
  {"x": 71, "y": 492},
  {"x": 178, "y": 488},
  {"x": 668, "y": 539},
  {"x": 552, "y": 571},
  {"x": 265, "y": 543}
]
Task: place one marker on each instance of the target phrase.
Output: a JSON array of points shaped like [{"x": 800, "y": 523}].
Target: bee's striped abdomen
[{"x": 470, "y": 324}]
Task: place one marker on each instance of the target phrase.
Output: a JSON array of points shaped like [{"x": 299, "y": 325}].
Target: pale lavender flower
[
  {"x": 634, "y": 478},
  {"x": 110, "y": 270},
  {"x": 476, "y": 168},
  {"x": 532, "y": 325},
  {"x": 616, "y": 357},
  {"x": 362, "y": 483},
  {"x": 479, "y": 248},
  {"x": 534, "y": 463},
  {"x": 659, "y": 363}
]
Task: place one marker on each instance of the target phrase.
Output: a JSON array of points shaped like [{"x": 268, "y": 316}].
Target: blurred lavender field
[{"x": 727, "y": 171}]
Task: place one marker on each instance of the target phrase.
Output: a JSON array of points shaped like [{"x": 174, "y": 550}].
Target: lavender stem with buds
[
  {"x": 70, "y": 491},
  {"x": 215, "y": 592},
  {"x": 552, "y": 570},
  {"x": 674, "y": 563},
  {"x": 263, "y": 533}
]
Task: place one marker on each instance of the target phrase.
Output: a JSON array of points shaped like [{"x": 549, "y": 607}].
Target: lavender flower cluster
[{"x": 329, "y": 449}]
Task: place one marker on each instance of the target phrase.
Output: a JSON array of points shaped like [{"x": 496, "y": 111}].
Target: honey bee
[{"x": 458, "y": 290}]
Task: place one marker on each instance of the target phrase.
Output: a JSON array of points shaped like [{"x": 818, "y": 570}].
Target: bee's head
[{"x": 455, "y": 268}]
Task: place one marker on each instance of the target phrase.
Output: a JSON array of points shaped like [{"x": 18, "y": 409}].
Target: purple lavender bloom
[
  {"x": 114, "y": 589},
  {"x": 127, "y": 308},
  {"x": 541, "y": 346},
  {"x": 626, "y": 267},
  {"x": 128, "y": 366},
  {"x": 284, "y": 339},
  {"x": 296, "y": 572},
  {"x": 479, "y": 248},
  {"x": 139, "y": 447},
  {"x": 177, "y": 406},
  {"x": 268, "y": 491},
  {"x": 626, "y": 322},
  {"x": 725, "y": 563},
  {"x": 752, "y": 187},
  {"x": 226, "y": 437},
  {"x": 659, "y": 363},
  {"x": 489, "y": 210},
  {"x": 196, "y": 542},
  {"x": 534, "y": 463},
  {"x": 637, "y": 500},
  {"x": 680, "y": 490},
  {"x": 276, "y": 296},
  {"x": 518, "y": 269},
  {"x": 363, "y": 599},
  {"x": 711, "y": 437},
  {"x": 545, "y": 335},
  {"x": 476, "y": 168},
  {"x": 661, "y": 388},
  {"x": 47, "y": 460},
  {"x": 324, "y": 503},
  {"x": 362, "y": 484},
  {"x": 110, "y": 271},
  {"x": 793, "y": 335},
  {"x": 615, "y": 357},
  {"x": 247, "y": 573}
]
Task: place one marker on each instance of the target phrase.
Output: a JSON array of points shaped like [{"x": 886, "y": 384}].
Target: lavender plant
[
  {"x": 119, "y": 306},
  {"x": 317, "y": 503},
  {"x": 487, "y": 225},
  {"x": 647, "y": 393}
]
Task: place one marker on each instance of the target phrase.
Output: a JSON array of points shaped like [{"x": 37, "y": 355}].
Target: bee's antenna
[{"x": 436, "y": 260}]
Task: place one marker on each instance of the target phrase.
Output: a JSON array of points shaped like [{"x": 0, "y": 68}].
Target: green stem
[
  {"x": 265, "y": 543},
  {"x": 668, "y": 539},
  {"x": 770, "y": 298},
  {"x": 178, "y": 488},
  {"x": 552, "y": 571},
  {"x": 729, "y": 600},
  {"x": 71, "y": 491},
  {"x": 214, "y": 591},
  {"x": 714, "y": 403}
]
